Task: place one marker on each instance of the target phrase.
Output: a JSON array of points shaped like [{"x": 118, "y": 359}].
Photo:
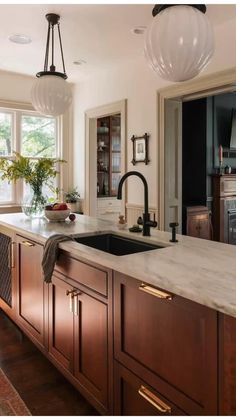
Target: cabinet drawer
[
  {"x": 171, "y": 344},
  {"x": 108, "y": 203},
  {"x": 94, "y": 278},
  {"x": 134, "y": 397}
]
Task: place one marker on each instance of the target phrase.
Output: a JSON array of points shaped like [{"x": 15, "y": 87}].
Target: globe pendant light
[
  {"x": 51, "y": 94},
  {"x": 179, "y": 42}
]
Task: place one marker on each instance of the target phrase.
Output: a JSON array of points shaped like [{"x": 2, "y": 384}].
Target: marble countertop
[{"x": 200, "y": 270}]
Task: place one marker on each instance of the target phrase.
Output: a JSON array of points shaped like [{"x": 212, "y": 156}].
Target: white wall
[
  {"x": 137, "y": 83},
  {"x": 15, "y": 87}
]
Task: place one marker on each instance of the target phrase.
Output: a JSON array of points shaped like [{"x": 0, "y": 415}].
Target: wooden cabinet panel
[
  {"x": 227, "y": 365},
  {"x": 175, "y": 341},
  {"x": 61, "y": 322},
  {"x": 199, "y": 222},
  {"x": 134, "y": 397},
  {"x": 91, "y": 346},
  {"x": 31, "y": 288},
  {"x": 90, "y": 276}
]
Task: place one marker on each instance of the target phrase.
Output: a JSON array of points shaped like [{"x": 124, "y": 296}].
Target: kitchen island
[{"x": 146, "y": 333}]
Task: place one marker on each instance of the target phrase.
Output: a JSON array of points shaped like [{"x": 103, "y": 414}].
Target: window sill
[{"x": 7, "y": 209}]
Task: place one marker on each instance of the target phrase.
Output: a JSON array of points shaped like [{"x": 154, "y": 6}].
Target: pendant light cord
[
  {"x": 62, "y": 56},
  {"x": 52, "y": 21},
  {"x": 47, "y": 49}
]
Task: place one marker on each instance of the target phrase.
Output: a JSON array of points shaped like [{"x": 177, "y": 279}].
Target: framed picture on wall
[{"x": 140, "y": 149}]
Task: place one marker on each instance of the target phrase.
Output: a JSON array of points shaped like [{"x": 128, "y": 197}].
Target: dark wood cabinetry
[
  {"x": 224, "y": 202},
  {"x": 227, "y": 365},
  {"x": 91, "y": 344},
  {"x": 80, "y": 327},
  {"x": 134, "y": 397},
  {"x": 171, "y": 356},
  {"x": 167, "y": 341},
  {"x": 61, "y": 322},
  {"x": 32, "y": 292},
  {"x": 199, "y": 222}
]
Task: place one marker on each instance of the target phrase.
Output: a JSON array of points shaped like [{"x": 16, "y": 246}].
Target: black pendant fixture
[{"x": 51, "y": 94}]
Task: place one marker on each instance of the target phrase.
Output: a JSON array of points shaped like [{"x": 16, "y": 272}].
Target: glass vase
[{"x": 33, "y": 203}]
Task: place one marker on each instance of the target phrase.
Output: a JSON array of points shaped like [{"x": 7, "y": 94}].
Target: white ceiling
[{"x": 99, "y": 34}]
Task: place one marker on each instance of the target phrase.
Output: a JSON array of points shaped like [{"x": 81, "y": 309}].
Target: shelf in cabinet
[
  {"x": 116, "y": 151},
  {"x": 102, "y": 171}
]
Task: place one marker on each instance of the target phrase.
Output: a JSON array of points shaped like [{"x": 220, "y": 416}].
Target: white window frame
[{"x": 18, "y": 111}]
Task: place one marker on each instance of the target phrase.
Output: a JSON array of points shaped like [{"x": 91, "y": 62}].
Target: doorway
[
  {"x": 105, "y": 160},
  {"x": 170, "y": 102}
]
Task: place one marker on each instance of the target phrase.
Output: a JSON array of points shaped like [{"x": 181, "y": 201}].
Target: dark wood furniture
[
  {"x": 198, "y": 222},
  {"x": 80, "y": 340},
  {"x": 169, "y": 342},
  {"x": 171, "y": 356},
  {"x": 224, "y": 199},
  {"x": 31, "y": 290}
]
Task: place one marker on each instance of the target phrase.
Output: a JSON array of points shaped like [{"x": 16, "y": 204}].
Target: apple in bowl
[{"x": 56, "y": 212}]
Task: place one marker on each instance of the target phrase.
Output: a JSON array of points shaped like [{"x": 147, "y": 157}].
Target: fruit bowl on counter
[{"x": 57, "y": 212}]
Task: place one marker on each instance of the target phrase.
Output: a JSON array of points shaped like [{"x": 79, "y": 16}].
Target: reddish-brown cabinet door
[
  {"x": 61, "y": 322},
  {"x": 31, "y": 289},
  {"x": 170, "y": 343},
  {"x": 134, "y": 397},
  {"x": 200, "y": 227},
  {"x": 91, "y": 345}
]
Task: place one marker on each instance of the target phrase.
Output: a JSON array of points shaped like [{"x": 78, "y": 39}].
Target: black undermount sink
[{"x": 117, "y": 245}]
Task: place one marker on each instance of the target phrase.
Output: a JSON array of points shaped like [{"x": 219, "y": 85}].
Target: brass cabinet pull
[
  {"x": 9, "y": 258},
  {"x": 71, "y": 294},
  {"x": 12, "y": 262},
  {"x": 75, "y": 295},
  {"x": 27, "y": 243},
  {"x": 154, "y": 400},
  {"x": 154, "y": 291}
]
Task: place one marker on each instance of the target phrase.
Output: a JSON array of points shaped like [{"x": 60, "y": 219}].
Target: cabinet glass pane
[
  {"x": 115, "y": 178},
  {"x": 116, "y": 162},
  {"x": 5, "y": 134}
]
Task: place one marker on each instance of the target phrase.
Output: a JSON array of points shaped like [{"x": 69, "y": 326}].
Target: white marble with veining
[{"x": 200, "y": 270}]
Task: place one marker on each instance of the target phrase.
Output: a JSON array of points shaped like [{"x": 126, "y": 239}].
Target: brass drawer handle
[
  {"x": 154, "y": 400},
  {"x": 75, "y": 295},
  {"x": 157, "y": 293},
  {"x": 12, "y": 255},
  {"x": 71, "y": 294},
  {"x": 28, "y": 244}
]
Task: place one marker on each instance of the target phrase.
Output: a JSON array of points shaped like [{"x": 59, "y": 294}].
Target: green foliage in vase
[{"x": 34, "y": 172}]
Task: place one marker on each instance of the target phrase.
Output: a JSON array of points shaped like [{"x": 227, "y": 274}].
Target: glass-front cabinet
[{"x": 108, "y": 155}]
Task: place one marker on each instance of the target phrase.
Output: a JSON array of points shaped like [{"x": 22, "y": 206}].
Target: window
[{"x": 30, "y": 134}]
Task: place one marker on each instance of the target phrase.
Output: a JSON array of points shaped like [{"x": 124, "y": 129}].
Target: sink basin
[{"x": 117, "y": 245}]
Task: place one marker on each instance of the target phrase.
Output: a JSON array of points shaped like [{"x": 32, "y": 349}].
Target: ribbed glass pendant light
[
  {"x": 51, "y": 94},
  {"x": 179, "y": 42}
]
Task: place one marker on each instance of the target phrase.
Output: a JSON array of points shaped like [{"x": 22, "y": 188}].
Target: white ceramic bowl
[{"x": 56, "y": 216}]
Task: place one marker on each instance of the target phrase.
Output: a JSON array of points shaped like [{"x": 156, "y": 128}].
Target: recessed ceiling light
[
  {"x": 20, "y": 39},
  {"x": 79, "y": 62},
  {"x": 139, "y": 30}
]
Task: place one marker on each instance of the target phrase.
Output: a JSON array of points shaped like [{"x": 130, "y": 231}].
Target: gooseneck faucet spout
[{"x": 145, "y": 221}]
